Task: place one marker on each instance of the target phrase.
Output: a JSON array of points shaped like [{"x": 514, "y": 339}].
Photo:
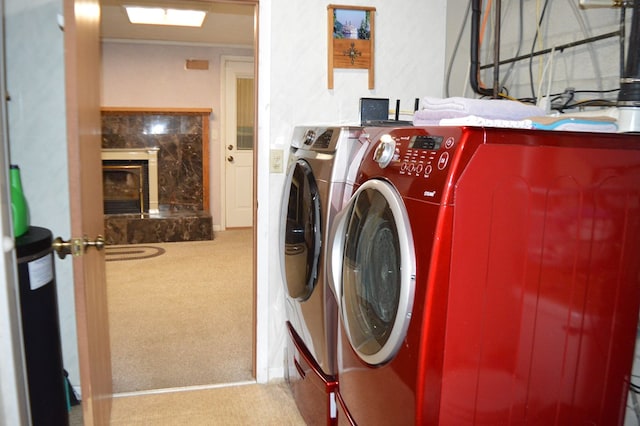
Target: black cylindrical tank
[{"x": 41, "y": 328}]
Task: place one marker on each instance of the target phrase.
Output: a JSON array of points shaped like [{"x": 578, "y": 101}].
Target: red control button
[
  {"x": 443, "y": 161},
  {"x": 449, "y": 142}
]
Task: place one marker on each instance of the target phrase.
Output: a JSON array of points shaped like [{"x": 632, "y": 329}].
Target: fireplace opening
[{"x": 125, "y": 186}]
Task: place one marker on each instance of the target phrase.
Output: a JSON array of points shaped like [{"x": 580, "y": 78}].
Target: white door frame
[
  {"x": 223, "y": 134},
  {"x": 14, "y": 396},
  {"x": 13, "y": 386}
]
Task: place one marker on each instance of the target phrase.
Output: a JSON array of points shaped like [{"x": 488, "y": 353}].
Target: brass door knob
[{"x": 76, "y": 246}]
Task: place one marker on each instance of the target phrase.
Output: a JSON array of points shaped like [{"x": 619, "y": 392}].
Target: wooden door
[{"x": 82, "y": 67}]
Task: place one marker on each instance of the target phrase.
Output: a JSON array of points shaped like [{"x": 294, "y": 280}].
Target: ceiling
[{"x": 225, "y": 23}]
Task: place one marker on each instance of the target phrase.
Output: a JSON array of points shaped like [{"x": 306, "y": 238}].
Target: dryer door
[
  {"x": 302, "y": 233},
  {"x": 378, "y": 272}
]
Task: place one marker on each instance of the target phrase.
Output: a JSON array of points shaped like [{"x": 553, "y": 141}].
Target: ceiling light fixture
[{"x": 162, "y": 16}]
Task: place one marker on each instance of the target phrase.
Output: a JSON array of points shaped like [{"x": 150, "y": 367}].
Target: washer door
[
  {"x": 302, "y": 234},
  {"x": 378, "y": 272}
]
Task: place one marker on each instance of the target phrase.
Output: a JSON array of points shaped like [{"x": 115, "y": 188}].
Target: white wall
[
  {"x": 589, "y": 67},
  {"x": 13, "y": 389},
  {"x": 409, "y": 63},
  {"x": 153, "y": 75},
  {"x": 37, "y": 133}
]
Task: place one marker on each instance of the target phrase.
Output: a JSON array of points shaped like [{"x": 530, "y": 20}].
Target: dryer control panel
[
  {"x": 423, "y": 153},
  {"x": 322, "y": 139}
]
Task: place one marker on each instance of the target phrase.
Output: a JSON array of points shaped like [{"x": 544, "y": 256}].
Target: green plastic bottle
[{"x": 19, "y": 207}]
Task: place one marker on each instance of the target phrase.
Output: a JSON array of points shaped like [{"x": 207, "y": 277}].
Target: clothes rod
[{"x": 558, "y": 48}]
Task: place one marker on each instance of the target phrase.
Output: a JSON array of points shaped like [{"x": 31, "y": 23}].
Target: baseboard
[
  {"x": 276, "y": 374},
  {"x": 78, "y": 392}
]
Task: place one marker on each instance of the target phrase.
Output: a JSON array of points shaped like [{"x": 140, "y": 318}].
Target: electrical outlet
[{"x": 275, "y": 160}]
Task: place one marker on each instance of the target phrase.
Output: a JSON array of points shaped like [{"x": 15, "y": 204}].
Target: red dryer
[{"x": 488, "y": 276}]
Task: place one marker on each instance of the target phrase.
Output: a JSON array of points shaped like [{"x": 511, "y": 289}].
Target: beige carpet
[
  {"x": 230, "y": 405},
  {"x": 182, "y": 316}
]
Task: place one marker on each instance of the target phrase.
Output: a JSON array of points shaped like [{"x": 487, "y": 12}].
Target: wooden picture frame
[{"x": 350, "y": 39}]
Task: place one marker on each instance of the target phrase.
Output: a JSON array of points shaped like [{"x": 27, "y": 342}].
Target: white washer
[{"x": 320, "y": 176}]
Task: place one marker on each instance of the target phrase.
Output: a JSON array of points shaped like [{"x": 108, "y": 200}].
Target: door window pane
[{"x": 244, "y": 113}]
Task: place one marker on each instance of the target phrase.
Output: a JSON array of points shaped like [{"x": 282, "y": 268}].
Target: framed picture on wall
[{"x": 350, "y": 39}]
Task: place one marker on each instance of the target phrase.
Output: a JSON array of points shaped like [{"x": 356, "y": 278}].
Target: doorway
[
  {"x": 239, "y": 123},
  {"x": 218, "y": 202}
]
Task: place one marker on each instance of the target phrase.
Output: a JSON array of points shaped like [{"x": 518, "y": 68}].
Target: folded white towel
[
  {"x": 594, "y": 124},
  {"x": 432, "y": 110},
  {"x": 475, "y": 121}
]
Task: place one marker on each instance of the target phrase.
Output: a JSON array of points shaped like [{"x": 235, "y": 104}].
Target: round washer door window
[
  {"x": 301, "y": 231},
  {"x": 378, "y": 272}
]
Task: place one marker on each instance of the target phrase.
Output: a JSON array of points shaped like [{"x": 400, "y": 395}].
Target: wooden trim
[
  {"x": 330, "y": 46},
  {"x": 372, "y": 17},
  {"x": 205, "y": 163},
  {"x": 342, "y": 6},
  {"x": 254, "y": 253},
  {"x": 143, "y": 110},
  {"x": 82, "y": 89}
]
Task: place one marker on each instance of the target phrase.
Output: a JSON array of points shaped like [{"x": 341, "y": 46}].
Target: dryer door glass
[
  {"x": 378, "y": 273},
  {"x": 302, "y": 232}
]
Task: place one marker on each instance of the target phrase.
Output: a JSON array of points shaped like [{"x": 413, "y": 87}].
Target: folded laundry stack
[
  {"x": 432, "y": 110},
  {"x": 457, "y": 111}
]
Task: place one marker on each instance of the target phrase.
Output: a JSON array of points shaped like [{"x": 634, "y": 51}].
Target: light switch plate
[{"x": 275, "y": 160}]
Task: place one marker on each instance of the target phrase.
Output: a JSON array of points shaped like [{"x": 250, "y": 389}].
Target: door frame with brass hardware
[{"x": 76, "y": 246}]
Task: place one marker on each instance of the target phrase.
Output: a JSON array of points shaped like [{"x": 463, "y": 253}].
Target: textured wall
[
  {"x": 594, "y": 66},
  {"x": 37, "y": 135}
]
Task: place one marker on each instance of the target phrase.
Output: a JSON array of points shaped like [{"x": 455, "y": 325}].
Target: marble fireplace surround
[
  {"x": 150, "y": 155},
  {"x": 175, "y": 144}
]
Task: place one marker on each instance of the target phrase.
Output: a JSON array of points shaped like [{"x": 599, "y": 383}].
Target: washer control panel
[
  {"x": 426, "y": 153},
  {"x": 417, "y": 154},
  {"x": 421, "y": 153}
]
